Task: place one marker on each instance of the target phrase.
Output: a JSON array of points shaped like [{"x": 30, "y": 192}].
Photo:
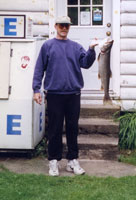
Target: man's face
[{"x": 62, "y": 30}]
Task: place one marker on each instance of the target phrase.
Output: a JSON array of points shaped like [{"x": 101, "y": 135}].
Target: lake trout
[{"x": 104, "y": 72}]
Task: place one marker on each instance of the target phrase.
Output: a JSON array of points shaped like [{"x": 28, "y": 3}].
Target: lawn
[
  {"x": 39, "y": 187},
  {"x": 128, "y": 156}
]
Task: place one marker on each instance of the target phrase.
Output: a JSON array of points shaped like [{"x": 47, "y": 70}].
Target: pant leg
[
  {"x": 55, "y": 106},
  {"x": 72, "y": 112}
]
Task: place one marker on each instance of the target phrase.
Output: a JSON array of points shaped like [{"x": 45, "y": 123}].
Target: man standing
[{"x": 62, "y": 60}]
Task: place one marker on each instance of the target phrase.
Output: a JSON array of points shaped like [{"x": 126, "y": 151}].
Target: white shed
[{"x": 22, "y": 121}]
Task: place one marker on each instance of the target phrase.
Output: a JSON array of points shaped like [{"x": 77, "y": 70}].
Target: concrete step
[
  {"x": 101, "y": 111},
  {"x": 98, "y": 125},
  {"x": 96, "y": 146}
]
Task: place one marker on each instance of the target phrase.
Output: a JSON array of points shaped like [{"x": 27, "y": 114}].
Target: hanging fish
[{"x": 104, "y": 71}]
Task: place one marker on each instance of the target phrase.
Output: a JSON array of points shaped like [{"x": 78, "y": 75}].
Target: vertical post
[
  {"x": 116, "y": 46},
  {"x": 52, "y": 15}
]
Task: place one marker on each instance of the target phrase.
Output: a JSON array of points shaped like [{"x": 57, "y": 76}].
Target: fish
[{"x": 104, "y": 70}]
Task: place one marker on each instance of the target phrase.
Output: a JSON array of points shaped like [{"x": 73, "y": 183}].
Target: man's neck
[{"x": 61, "y": 38}]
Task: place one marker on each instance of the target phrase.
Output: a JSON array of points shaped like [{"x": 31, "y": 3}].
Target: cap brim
[{"x": 62, "y": 22}]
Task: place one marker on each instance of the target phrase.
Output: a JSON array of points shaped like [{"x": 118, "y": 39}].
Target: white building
[{"x": 91, "y": 18}]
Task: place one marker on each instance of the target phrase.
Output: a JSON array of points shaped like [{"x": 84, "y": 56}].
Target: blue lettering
[
  {"x": 11, "y": 124},
  {"x": 40, "y": 122},
  {"x": 8, "y": 26}
]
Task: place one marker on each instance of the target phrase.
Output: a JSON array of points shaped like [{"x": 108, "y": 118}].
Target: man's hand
[
  {"x": 94, "y": 43},
  {"x": 37, "y": 98}
]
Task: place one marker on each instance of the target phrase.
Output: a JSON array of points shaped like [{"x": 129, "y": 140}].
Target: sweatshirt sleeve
[
  {"x": 86, "y": 58},
  {"x": 40, "y": 67}
]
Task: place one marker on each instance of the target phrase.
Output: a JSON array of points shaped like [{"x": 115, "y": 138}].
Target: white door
[{"x": 90, "y": 19}]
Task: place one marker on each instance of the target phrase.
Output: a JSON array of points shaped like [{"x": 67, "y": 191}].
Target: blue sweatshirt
[{"x": 62, "y": 60}]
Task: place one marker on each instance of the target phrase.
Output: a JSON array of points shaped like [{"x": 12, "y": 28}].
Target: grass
[
  {"x": 39, "y": 187},
  {"x": 127, "y": 133},
  {"x": 127, "y": 136},
  {"x": 128, "y": 156}
]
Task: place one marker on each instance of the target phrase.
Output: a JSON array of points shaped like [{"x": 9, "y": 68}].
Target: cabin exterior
[{"x": 91, "y": 18}]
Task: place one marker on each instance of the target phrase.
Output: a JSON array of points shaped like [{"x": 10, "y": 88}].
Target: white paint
[
  {"x": 12, "y": 26},
  {"x": 4, "y": 69},
  {"x": 128, "y": 31},
  {"x": 128, "y": 81},
  {"x": 40, "y": 30},
  {"x": 61, "y": 7},
  {"x": 116, "y": 46},
  {"x": 37, "y": 17},
  {"x": 127, "y": 68},
  {"x": 128, "y": 93},
  {"x": 24, "y": 5},
  {"x": 20, "y": 100},
  {"x": 19, "y": 78},
  {"x": 129, "y": 105},
  {"x": 38, "y": 135},
  {"x": 128, "y": 57},
  {"x": 128, "y": 44},
  {"x": 128, "y": 6},
  {"x": 52, "y": 15},
  {"x": 128, "y": 19},
  {"x": 40, "y": 18},
  {"x": 125, "y": 105},
  {"x": 16, "y": 107},
  {"x": 39, "y": 24}
]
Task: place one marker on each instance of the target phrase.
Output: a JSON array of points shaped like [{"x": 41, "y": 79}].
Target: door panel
[
  {"x": 4, "y": 69},
  {"x": 91, "y": 19}
]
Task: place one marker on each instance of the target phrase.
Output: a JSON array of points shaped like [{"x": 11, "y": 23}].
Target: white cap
[{"x": 63, "y": 20}]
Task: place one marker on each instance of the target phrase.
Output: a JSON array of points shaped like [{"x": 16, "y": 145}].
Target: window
[{"x": 85, "y": 12}]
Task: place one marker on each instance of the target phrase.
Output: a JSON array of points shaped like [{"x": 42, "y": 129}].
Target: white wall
[{"x": 128, "y": 54}]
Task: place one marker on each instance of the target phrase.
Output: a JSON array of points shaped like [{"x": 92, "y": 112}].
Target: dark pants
[{"x": 60, "y": 107}]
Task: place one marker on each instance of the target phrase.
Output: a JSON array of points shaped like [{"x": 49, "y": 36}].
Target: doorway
[{"x": 90, "y": 19}]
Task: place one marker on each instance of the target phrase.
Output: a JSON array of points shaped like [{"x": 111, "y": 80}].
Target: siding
[
  {"x": 37, "y": 10},
  {"x": 128, "y": 53}
]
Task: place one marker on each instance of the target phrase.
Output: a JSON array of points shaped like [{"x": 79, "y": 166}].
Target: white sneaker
[
  {"x": 74, "y": 166},
  {"x": 53, "y": 168}
]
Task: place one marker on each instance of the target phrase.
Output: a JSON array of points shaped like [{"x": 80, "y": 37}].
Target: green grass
[
  {"x": 127, "y": 133},
  {"x": 39, "y": 187},
  {"x": 128, "y": 157}
]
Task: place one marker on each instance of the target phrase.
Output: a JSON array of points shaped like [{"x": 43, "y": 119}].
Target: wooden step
[
  {"x": 98, "y": 125},
  {"x": 101, "y": 111},
  {"x": 96, "y": 146}
]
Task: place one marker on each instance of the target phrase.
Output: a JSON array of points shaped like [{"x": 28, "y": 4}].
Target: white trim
[
  {"x": 17, "y": 40},
  {"x": 91, "y": 5},
  {"x": 84, "y": 26},
  {"x": 116, "y": 46},
  {"x": 52, "y": 16}
]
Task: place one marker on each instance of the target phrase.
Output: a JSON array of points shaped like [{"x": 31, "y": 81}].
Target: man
[{"x": 62, "y": 60}]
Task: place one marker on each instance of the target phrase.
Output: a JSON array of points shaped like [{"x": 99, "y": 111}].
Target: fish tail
[
  {"x": 102, "y": 88},
  {"x": 107, "y": 100}
]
